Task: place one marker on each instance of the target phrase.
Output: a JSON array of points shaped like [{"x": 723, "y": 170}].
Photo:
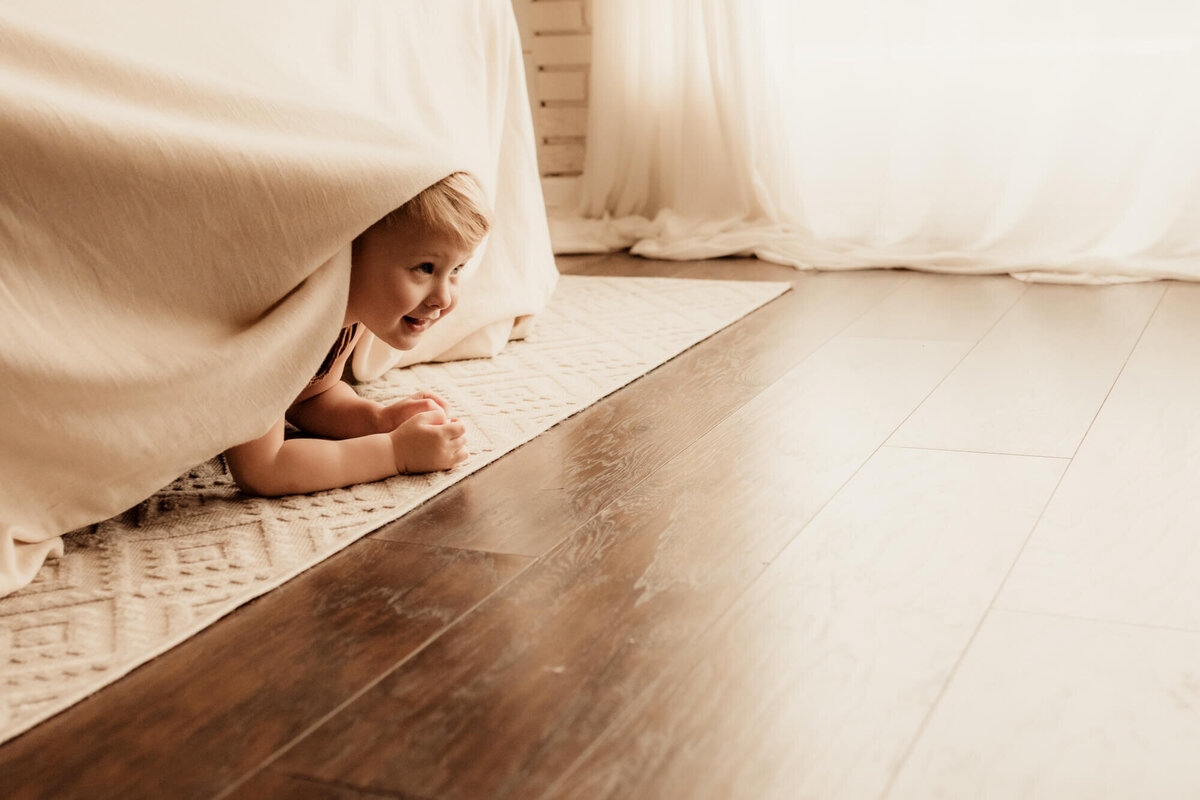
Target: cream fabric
[
  {"x": 1056, "y": 139},
  {"x": 180, "y": 186}
]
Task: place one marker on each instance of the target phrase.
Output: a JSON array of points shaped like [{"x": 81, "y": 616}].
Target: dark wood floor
[{"x": 481, "y": 646}]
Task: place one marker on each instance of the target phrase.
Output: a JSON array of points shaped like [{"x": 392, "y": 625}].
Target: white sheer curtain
[{"x": 1047, "y": 137}]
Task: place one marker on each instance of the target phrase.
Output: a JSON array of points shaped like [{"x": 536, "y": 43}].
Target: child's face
[{"x": 402, "y": 281}]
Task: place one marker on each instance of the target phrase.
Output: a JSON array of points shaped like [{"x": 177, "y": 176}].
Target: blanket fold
[{"x": 178, "y": 190}]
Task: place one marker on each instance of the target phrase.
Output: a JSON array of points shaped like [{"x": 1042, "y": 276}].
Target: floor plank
[
  {"x": 1049, "y": 707},
  {"x": 197, "y": 718},
  {"x": 941, "y": 307},
  {"x": 1033, "y": 385},
  {"x": 535, "y": 496},
  {"x": 817, "y": 680},
  {"x": 272, "y": 785},
  {"x": 546, "y": 664},
  {"x": 1119, "y": 541}
]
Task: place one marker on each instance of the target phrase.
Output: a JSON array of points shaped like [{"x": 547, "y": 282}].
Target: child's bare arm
[
  {"x": 337, "y": 411},
  {"x": 271, "y": 465}
]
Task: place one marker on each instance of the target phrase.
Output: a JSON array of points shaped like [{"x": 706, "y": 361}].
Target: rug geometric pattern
[{"x": 133, "y": 586}]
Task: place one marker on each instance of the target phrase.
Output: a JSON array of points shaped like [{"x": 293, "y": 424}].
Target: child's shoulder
[
  {"x": 340, "y": 350},
  {"x": 331, "y": 367}
]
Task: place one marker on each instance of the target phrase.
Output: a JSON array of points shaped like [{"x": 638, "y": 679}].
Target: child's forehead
[{"x": 414, "y": 241}]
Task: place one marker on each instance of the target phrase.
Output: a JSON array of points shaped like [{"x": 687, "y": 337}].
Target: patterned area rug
[{"x": 133, "y": 586}]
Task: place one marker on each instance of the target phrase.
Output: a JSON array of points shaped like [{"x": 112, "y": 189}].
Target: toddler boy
[{"x": 403, "y": 279}]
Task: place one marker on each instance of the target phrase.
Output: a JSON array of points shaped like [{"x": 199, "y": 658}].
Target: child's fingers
[
  {"x": 432, "y": 417},
  {"x": 414, "y": 405},
  {"x": 430, "y": 396}
]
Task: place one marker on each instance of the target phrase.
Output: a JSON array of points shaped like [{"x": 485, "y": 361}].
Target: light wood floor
[{"x": 894, "y": 535}]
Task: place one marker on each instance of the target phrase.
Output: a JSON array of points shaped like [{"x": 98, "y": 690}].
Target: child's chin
[{"x": 405, "y": 344}]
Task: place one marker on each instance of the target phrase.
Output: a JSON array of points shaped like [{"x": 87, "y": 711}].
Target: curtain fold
[{"x": 1051, "y": 139}]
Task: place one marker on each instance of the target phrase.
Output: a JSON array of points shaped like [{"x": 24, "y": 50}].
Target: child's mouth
[{"x": 417, "y": 324}]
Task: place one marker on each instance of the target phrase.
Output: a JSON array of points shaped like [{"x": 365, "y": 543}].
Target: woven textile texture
[{"x": 135, "y": 585}]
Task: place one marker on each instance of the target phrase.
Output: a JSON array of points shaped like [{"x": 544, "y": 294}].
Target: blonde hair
[{"x": 454, "y": 206}]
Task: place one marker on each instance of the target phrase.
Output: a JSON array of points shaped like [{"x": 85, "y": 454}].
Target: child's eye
[
  {"x": 456, "y": 270},
  {"x": 426, "y": 268}
]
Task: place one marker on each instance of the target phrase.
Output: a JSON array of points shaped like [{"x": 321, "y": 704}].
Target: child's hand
[
  {"x": 394, "y": 415},
  {"x": 428, "y": 442}
]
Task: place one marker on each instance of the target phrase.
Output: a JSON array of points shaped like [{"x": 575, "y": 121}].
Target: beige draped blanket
[{"x": 179, "y": 185}]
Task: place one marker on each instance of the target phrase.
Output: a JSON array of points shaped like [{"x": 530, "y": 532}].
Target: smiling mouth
[{"x": 417, "y": 323}]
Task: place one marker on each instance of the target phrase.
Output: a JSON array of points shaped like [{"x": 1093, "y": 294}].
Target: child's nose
[{"x": 441, "y": 296}]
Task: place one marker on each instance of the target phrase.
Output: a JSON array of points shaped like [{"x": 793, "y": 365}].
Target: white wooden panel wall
[{"x": 557, "y": 41}]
